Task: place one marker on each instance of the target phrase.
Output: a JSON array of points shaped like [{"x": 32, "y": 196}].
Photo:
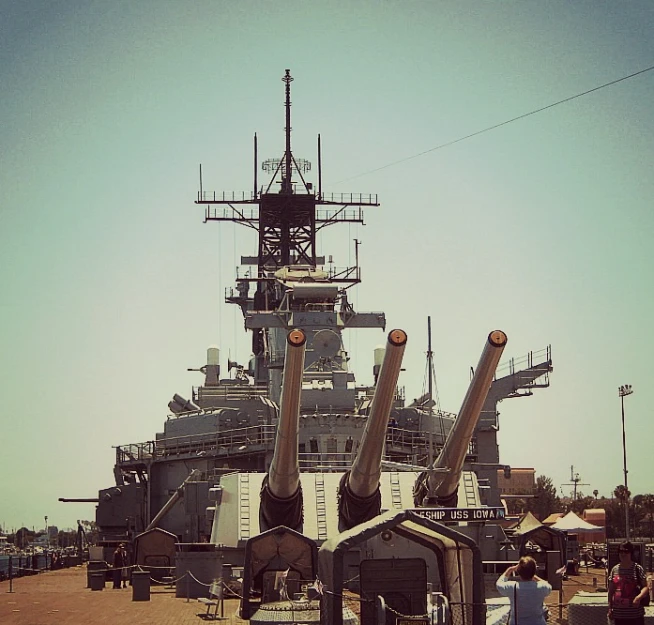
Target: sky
[{"x": 111, "y": 286}]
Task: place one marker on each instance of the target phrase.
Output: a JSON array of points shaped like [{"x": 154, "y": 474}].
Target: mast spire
[{"x": 286, "y": 185}]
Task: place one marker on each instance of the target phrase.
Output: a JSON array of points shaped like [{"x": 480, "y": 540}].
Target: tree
[
  {"x": 644, "y": 514},
  {"x": 545, "y": 501},
  {"x": 92, "y": 535},
  {"x": 516, "y": 505},
  {"x": 582, "y": 503},
  {"x": 622, "y": 494}
]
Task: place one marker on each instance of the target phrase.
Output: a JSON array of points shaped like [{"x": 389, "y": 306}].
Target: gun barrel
[
  {"x": 454, "y": 451},
  {"x": 174, "y": 498},
  {"x": 365, "y": 473},
  {"x": 284, "y": 472}
]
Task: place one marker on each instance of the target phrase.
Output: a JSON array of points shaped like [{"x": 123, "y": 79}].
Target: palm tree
[{"x": 621, "y": 493}]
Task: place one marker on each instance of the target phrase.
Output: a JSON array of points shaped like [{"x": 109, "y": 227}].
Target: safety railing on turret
[{"x": 513, "y": 365}]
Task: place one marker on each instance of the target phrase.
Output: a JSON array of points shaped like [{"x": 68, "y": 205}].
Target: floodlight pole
[{"x": 623, "y": 391}]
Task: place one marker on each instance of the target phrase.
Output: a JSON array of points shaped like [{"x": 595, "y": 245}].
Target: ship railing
[
  {"x": 361, "y": 199},
  {"x": 212, "y": 213},
  {"x": 226, "y": 196},
  {"x": 238, "y": 440},
  {"x": 368, "y": 392},
  {"x": 334, "y": 215},
  {"x": 135, "y": 452},
  {"x": 532, "y": 359},
  {"x": 325, "y": 461},
  {"x": 331, "y": 462},
  {"x": 344, "y": 273},
  {"x": 399, "y": 437},
  {"x": 229, "y": 392}
]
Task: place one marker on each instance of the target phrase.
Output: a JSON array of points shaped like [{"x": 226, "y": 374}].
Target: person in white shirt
[{"x": 526, "y": 592}]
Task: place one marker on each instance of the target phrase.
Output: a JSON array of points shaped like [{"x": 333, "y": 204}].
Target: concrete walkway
[{"x": 62, "y": 598}]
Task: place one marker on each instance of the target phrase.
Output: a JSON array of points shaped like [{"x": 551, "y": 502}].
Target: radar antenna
[
  {"x": 432, "y": 398},
  {"x": 286, "y": 182},
  {"x": 574, "y": 481}
]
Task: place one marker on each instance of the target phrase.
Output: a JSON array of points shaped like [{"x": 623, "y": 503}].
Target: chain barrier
[
  {"x": 168, "y": 582},
  {"x": 197, "y": 580},
  {"x": 232, "y": 592}
]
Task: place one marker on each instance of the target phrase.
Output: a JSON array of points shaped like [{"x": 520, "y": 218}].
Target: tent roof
[
  {"x": 527, "y": 523},
  {"x": 572, "y": 523},
  {"x": 552, "y": 518}
]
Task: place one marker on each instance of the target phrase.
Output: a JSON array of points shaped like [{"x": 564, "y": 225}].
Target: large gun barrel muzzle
[
  {"x": 284, "y": 472},
  {"x": 453, "y": 454},
  {"x": 364, "y": 475}
]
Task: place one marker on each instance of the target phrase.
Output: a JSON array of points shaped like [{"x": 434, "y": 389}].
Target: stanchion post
[
  {"x": 11, "y": 575},
  {"x": 561, "y": 602},
  {"x": 222, "y": 595},
  {"x": 188, "y": 589}
]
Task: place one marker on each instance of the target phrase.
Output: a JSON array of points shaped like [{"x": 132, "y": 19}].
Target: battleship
[{"x": 287, "y": 453}]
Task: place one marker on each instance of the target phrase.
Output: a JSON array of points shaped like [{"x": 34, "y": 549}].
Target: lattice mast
[{"x": 286, "y": 221}]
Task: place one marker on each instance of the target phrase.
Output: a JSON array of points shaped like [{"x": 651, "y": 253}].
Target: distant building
[{"x": 518, "y": 482}]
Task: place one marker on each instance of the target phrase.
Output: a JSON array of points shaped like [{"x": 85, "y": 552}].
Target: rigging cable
[{"x": 499, "y": 125}]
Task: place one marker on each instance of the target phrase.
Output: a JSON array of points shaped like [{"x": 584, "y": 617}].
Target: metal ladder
[
  {"x": 244, "y": 504},
  {"x": 321, "y": 507},
  {"x": 469, "y": 490},
  {"x": 396, "y": 492}
]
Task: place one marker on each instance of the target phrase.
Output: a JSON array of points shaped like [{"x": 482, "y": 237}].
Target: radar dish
[{"x": 326, "y": 343}]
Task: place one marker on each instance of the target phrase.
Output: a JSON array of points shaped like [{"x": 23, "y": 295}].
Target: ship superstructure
[{"x": 204, "y": 476}]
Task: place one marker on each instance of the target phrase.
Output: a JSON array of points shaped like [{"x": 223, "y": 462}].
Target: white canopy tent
[{"x": 572, "y": 523}]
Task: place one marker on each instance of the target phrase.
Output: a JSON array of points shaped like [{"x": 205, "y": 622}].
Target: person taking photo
[{"x": 526, "y": 592}]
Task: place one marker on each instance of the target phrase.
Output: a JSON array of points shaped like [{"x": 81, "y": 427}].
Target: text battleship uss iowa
[{"x": 282, "y": 439}]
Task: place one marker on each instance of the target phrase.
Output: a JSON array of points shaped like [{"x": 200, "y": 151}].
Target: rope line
[
  {"x": 197, "y": 580},
  {"x": 498, "y": 125}
]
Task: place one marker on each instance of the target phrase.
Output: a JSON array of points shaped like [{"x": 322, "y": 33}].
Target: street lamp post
[{"x": 623, "y": 391}]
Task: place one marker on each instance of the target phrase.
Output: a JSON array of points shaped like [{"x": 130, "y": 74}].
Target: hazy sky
[{"x": 111, "y": 286}]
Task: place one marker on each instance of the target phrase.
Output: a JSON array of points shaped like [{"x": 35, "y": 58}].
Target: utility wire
[{"x": 504, "y": 123}]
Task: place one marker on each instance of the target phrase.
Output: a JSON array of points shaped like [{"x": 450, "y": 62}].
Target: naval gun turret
[
  {"x": 359, "y": 497},
  {"x": 281, "y": 491},
  {"x": 439, "y": 485}
]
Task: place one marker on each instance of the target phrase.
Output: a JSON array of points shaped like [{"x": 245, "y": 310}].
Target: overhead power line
[{"x": 495, "y": 126}]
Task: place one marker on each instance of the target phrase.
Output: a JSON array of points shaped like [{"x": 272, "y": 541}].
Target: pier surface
[{"x": 62, "y": 598}]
